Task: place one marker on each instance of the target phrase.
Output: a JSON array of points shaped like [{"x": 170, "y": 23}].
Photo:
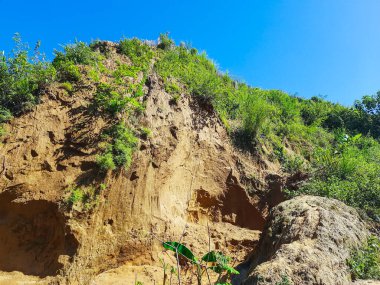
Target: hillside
[{"x": 112, "y": 148}]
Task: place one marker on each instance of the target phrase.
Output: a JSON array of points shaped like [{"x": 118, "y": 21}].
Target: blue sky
[{"x": 309, "y": 47}]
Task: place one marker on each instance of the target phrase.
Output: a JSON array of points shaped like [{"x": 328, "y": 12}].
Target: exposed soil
[
  {"x": 34, "y": 238},
  {"x": 185, "y": 174}
]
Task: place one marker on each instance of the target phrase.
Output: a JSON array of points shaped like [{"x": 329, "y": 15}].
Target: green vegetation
[
  {"x": 22, "y": 77},
  {"x": 112, "y": 102},
  {"x": 304, "y": 135},
  {"x": 284, "y": 281},
  {"x": 348, "y": 171},
  {"x": 365, "y": 262},
  {"x": 82, "y": 198},
  {"x": 120, "y": 142},
  {"x": 337, "y": 146},
  {"x": 212, "y": 260},
  {"x": 139, "y": 53}
]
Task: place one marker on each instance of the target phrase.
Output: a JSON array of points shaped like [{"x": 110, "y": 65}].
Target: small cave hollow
[
  {"x": 234, "y": 207},
  {"x": 34, "y": 238}
]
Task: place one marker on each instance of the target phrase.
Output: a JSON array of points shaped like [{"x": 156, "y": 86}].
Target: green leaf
[
  {"x": 230, "y": 269},
  {"x": 183, "y": 250},
  {"x": 210, "y": 257}
]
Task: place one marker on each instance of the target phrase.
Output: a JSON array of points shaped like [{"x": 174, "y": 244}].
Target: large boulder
[{"x": 306, "y": 241}]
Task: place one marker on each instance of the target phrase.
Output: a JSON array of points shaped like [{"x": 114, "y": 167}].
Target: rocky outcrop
[{"x": 306, "y": 241}]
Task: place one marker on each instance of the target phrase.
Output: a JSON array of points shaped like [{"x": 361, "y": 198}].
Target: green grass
[
  {"x": 365, "y": 262},
  {"x": 348, "y": 171}
]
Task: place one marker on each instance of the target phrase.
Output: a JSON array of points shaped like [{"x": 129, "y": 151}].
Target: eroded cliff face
[
  {"x": 186, "y": 180},
  {"x": 185, "y": 174}
]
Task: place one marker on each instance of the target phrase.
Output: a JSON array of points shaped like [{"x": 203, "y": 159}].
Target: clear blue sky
[{"x": 312, "y": 47}]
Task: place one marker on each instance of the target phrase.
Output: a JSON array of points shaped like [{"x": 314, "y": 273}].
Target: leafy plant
[
  {"x": 139, "y": 53},
  {"x": 77, "y": 53},
  {"x": 82, "y": 198},
  {"x": 22, "y": 77},
  {"x": 365, "y": 262},
  {"x": 67, "y": 86},
  {"x": 112, "y": 102},
  {"x": 67, "y": 61},
  {"x": 67, "y": 71},
  {"x": 119, "y": 149},
  {"x": 219, "y": 262},
  {"x": 165, "y": 42},
  {"x": 284, "y": 281}
]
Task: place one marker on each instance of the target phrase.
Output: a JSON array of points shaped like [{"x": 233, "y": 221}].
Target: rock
[{"x": 307, "y": 241}]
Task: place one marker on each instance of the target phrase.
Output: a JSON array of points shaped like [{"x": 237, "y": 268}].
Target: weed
[
  {"x": 119, "y": 150},
  {"x": 365, "y": 262},
  {"x": 145, "y": 132},
  {"x": 22, "y": 76},
  {"x": 139, "y": 53},
  {"x": 67, "y": 86},
  {"x": 284, "y": 281},
  {"x": 165, "y": 42},
  {"x": 212, "y": 260},
  {"x": 67, "y": 71},
  {"x": 82, "y": 198}
]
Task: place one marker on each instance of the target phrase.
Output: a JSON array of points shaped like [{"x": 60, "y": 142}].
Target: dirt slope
[
  {"x": 185, "y": 173},
  {"x": 186, "y": 179}
]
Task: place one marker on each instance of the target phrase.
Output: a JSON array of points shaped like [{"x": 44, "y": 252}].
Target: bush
[
  {"x": 165, "y": 42},
  {"x": 119, "y": 151},
  {"x": 84, "y": 198},
  {"x": 365, "y": 262},
  {"x": 139, "y": 53},
  {"x": 123, "y": 71},
  {"x": 105, "y": 161},
  {"x": 78, "y": 53},
  {"x": 76, "y": 196},
  {"x": 255, "y": 113},
  {"x": 66, "y": 61},
  {"x": 112, "y": 102},
  {"x": 22, "y": 77},
  {"x": 67, "y": 86},
  {"x": 348, "y": 172},
  {"x": 67, "y": 71}
]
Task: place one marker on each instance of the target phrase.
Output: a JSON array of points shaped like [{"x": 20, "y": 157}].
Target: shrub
[
  {"x": 165, "y": 42},
  {"x": 67, "y": 71},
  {"x": 77, "y": 53},
  {"x": 255, "y": 113},
  {"x": 67, "y": 86},
  {"x": 84, "y": 198},
  {"x": 145, "y": 132},
  {"x": 349, "y": 172},
  {"x": 365, "y": 262},
  {"x": 119, "y": 151},
  {"x": 220, "y": 262},
  {"x": 112, "y": 102},
  {"x": 22, "y": 76},
  {"x": 66, "y": 61},
  {"x": 123, "y": 71},
  {"x": 5, "y": 115},
  {"x": 76, "y": 196},
  {"x": 139, "y": 53},
  {"x": 105, "y": 161}
]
